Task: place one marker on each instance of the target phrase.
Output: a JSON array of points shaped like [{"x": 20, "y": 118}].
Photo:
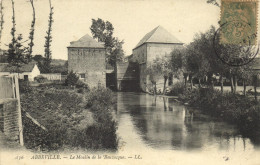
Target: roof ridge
[{"x": 154, "y": 30}]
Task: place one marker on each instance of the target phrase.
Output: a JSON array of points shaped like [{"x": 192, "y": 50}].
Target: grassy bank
[
  {"x": 73, "y": 120},
  {"x": 243, "y": 111}
]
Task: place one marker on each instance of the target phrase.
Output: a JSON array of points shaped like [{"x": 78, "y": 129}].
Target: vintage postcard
[{"x": 129, "y": 82}]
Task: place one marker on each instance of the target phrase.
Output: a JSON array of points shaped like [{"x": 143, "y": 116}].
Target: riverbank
[
  {"x": 73, "y": 118},
  {"x": 243, "y": 111}
]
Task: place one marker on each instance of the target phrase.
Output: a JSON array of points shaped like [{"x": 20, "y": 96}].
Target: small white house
[{"x": 26, "y": 71}]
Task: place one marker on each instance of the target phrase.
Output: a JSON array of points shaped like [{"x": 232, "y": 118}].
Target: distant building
[
  {"x": 157, "y": 43},
  {"x": 86, "y": 57},
  {"x": 26, "y": 71}
]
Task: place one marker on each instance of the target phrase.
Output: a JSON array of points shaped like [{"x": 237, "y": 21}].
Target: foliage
[
  {"x": 47, "y": 54},
  {"x": 154, "y": 72},
  {"x": 56, "y": 66},
  {"x": 241, "y": 110},
  {"x": 71, "y": 79},
  {"x": 31, "y": 34},
  {"x": 17, "y": 53},
  {"x": 24, "y": 86},
  {"x": 40, "y": 79},
  {"x": 103, "y": 31},
  {"x": 176, "y": 89},
  {"x": 68, "y": 122}
]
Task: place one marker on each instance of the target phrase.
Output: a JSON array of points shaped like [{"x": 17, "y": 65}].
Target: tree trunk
[
  {"x": 199, "y": 83},
  {"x": 185, "y": 81},
  {"x": 164, "y": 85},
  {"x": 191, "y": 83},
  {"x": 235, "y": 83},
  {"x": 244, "y": 85},
  {"x": 232, "y": 84},
  {"x": 255, "y": 85},
  {"x": 155, "y": 89},
  {"x": 221, "y": 83}
]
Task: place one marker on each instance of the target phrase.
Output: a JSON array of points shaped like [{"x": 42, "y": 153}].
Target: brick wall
[
  {"x": 89, "y": 64},
  {"x": 9, "y": 118}
]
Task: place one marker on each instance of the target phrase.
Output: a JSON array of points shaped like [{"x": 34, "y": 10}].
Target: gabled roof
[
  {"x": 86, "y": 42},
  {"x": 158, "y": 35},
  {"x": 5, "y": 67}
]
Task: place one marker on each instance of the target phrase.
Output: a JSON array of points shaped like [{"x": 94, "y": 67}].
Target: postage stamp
[
  {"x": 235, "y": 42},
  {"x": 239, "y": 22}
]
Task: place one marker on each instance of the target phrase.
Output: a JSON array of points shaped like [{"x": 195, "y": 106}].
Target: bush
[
  {"x": 63, "y": 113},
  {"x": 40, "y": 79},
  {"x": 240, "y": 110},
  {"x": 71, "y": 79},
  {"x": 24, "y": 86},
  {"x": 177, "y": 89}
]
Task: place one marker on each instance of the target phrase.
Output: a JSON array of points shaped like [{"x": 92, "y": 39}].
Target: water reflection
[{"x": 161, "y": 123}]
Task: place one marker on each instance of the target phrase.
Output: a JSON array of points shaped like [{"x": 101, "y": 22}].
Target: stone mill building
[
  {"x": 86, "y": 57},
  {"x": 157, "y": 43}
]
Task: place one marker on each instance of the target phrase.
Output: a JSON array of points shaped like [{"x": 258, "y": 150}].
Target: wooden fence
[
  {"x": 52, "y": 76},
  {"x": 6, "y": 87}
]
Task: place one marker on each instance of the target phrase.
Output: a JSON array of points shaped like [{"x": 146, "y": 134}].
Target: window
[
  {"x": 25, "y": 77},
  {"x": 82, "y": 75}
]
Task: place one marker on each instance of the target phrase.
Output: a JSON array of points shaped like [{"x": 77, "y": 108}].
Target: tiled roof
[
  {"x": 158, "y": 35},
  {"x": 86, "y": 42},
  {"x": 5, "y": 67}
]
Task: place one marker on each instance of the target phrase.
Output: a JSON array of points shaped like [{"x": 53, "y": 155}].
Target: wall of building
[
  {"x": 89, "y": 64},
  {"x": 147, "y": 53},
  {"x": 159, "y": 50},
  {"x": 140, "y": 54}
]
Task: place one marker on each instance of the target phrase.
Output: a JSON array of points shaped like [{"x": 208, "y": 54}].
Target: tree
[
  {"x": 1, "y": 19},
  {"x": 179, "y": 63},
  {"x": 154, "y": 72},
  {"x": 47, "y": 50},
  {"x": 31, "y": 34},
  {"x": 103, "y": 31},
  {"x": 17, "y": 52},
  {"x": 71, "y": 79},
  {"x": 165, "y": 69}
]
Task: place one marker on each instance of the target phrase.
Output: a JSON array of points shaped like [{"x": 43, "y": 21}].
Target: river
[{"x": 156, "y": 125}]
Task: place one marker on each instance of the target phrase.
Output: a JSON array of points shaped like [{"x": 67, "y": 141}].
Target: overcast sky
[{"x": 131, "y": 19}]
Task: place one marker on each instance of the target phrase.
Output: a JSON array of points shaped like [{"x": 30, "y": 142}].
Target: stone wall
[
  {"x": 140, "y": 54},
  {"x": 89, "y": 64},
  {"x": 159, "y": 50}
]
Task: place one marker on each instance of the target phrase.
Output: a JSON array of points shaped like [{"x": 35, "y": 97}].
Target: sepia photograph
[{"x": 129, "y": 82}]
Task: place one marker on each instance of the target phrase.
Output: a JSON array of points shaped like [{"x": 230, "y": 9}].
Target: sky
[{"x": 131, "y": 19}]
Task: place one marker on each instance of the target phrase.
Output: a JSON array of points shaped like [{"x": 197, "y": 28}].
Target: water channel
[{"x": 159, "y": 124}]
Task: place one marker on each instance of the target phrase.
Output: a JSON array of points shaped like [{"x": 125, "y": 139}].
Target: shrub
[
  {"x": 81, "y": 84},
  {"x": 177, "y": 89},
  {"x": 40, "y": 79},
  {"x": 24, "y": 86},
  {"x": 62, "y": 113},
  {"x": 71, "y": 79},
  {"x": 229, "y": 107}
]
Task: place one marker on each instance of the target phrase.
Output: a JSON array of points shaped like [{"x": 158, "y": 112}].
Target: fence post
[{"x": 20, "y": 125}]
